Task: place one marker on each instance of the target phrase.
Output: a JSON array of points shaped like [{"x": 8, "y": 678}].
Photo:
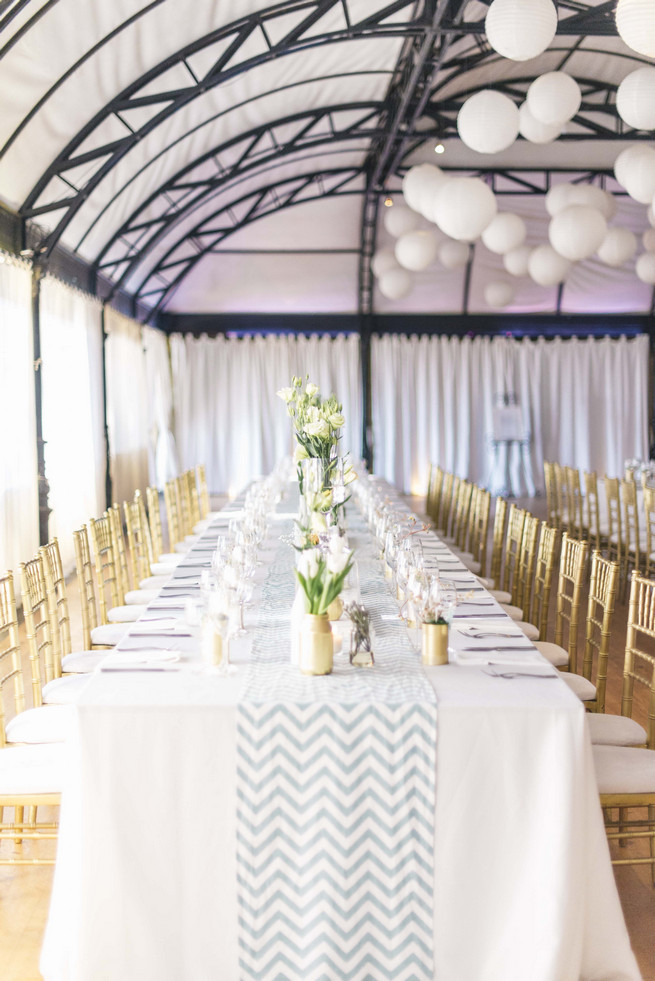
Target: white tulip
[{"x": 308, "y": 563}]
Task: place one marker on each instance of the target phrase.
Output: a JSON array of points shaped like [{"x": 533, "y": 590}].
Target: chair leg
[
  {"x": 651, "y": 821},
  {"x": 18, "y": 821},
  {"x": 623, "y": 821}
]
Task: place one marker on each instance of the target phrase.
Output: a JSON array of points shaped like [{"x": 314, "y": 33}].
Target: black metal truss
[
  {"x": 260, "y": 148},
  {"x": 575, "y": 19}
]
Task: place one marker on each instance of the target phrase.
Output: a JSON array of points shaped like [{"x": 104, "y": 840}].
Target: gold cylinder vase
[
  {"x": 316, "y": 647},
  {"x": 434, "y": 647}
]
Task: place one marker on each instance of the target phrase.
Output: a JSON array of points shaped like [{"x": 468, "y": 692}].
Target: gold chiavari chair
[
  {"x": 129, "y": 596},
  {"x": 183, "y": 499},
  {"x": 162, "y": 561},
  {"x": 497, "y": 549},
  {"x": 632, "y": 541},
  {"x": 512, "y": 551},
  {"x": 433, "y": 499},
  {"x": 476, "y": 558},
  {"x": 95, "y": 634},
  {"x": 519, "y": 608},
  {"x": 175, "y": 532},
  {"x": 626, "y": 775},
  {"x": 552, "y": 509},
  {"x": 543, "y": 578},
  {"x": 573, "y": 559},
  {"x": 206, "y": 513},
  {"x": 447, "y": 530},
  {"x": 649, "y": 529},
  {"x": 614, "y": 528},
  {"x": 446, "y": 502},
  {"x": 140, "y": 546},
  {"x": 66, "y": 660},
  {"x": 194, "y": 499},
  {"x": 32, "y": 774},
  {"x": 576, "y": 526},
  {"x": 562, "y": 491},
  {"x": 110, "y": 594},
  {"x": 459, "y": 521},
  {"x": 595, "y": 527}
]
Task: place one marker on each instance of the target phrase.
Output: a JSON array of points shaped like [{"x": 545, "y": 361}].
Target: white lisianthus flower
[
  {"x": 336, "y": 420},
  {"x": 313, "y": 414},
  {"x": 317, "y": 522},
  {"x": 311, "y": 390},
  {"x": 300, "y": 453},
  {"x": 320, "y": 429},
  {"x": 286, "y": 394},
  {"x": 325, "y": 500},
  {"x": 308, "y": 563},
  {"x": 349, "y": 476}
]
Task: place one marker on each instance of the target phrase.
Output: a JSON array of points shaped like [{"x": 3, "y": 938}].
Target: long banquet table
[{"x": 146, "y": 878}]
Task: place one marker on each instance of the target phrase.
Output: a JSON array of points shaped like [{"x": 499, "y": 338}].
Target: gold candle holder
[
  {"x": 434, "y": 646},
  {"x": 316, "y": 645}
]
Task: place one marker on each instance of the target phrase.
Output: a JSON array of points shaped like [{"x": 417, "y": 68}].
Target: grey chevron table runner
[{"x": 335, "y": 832}]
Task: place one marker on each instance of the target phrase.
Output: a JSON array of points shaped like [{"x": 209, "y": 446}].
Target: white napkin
[
  {"x": 500, "y": 657},
  {"x": 480, "y": 631}
]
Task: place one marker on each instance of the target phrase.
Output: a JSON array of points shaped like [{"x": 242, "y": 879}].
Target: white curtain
[
  {"x": 128, "y": 416},
  {"x": 227, "y": 415},
  {"x": 19, "y": 498},
  {"x": 73, "y": 428},
  {"x": 162, "y": 455},
  {"x": 581, "y": 402}
]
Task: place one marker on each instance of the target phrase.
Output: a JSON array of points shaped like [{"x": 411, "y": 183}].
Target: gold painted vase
[
  {"x": 335, "y": 609},
  {"x": 434, "y": 648},
  {"x": 316, "y": 648}
]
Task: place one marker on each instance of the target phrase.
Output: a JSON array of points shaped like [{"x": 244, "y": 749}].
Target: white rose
[
  {"x": 336, "y": 420},
  {"x": 286, "y": 394},
  {"x": 320, "y": 429}
]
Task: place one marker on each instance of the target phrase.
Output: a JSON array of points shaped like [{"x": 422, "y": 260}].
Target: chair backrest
[
  {"x": 11, "y": 673},
  {"x": 433, "y": 499},
  {"x": 573, "y": 558},
  {"x": 118, "y": 545},
  {"x": 37, "y": 626},
  {"x": 603, "y": 587},
  {"x": 55, "y": 585},
  {"x": 523, "y": 581},
  {"x": 203, "y": 490},
  {"x": 562, "y": 492},
  {"x": 446, "y": 502},
  {"x": 172, "y": 514},
  {"x": 107, "y": 575},
  {"x": 86, "y": 583},
  {"x": 543, "y": 578},
  {"x": 649, "y": 524},
  {"x": 498, "y": 540},
  {"x": 574, "y": 491},
  {"x": 138, "y": 539},
  {"x": 462, "y": 509},
  {"x": 592, "y": 514},
  {"x": 639, "y": 663},
  {"x": 614, "y": 526},
  {"x": 194, "y": 498},
  {"x": 631, "y": 538},
  {"x": 552, "y": 509},
  {"x": 479, "y": 527},
  {"x": 154, "y": 522},
  {"x": 512, "y": 550},
  {"x": 183, "y": 505}
]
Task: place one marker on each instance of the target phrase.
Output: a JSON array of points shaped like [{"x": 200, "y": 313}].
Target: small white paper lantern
[
  {"x": 516, "y": 261},
  {"x": 635, "y": 98},
  {"x": 498, "y": 294},
  {"x": 520, "y": 29},
  {"x": 648, "y": 240},
  {"x": 635, "y": 22},
  {"x": 383, "y": 261},
  {"x": 395, "y": 284},
  {"x": 619, "y": 245},
  {"x": 547, "y": 267},
  {"x": 453, "y": 255},
  {"x": 557, "y": 198},
  {"x": 399, "y": 220},
  {"x": 463, "y": 208},
  {"x": 577, "y": 232},
  {"x": 645, "y": 268},
  {"x": 635, "y": 171},
  {"x": 488, "y": 122},
  {"x": 416, "y": 250},
  {"x": 593, "y": 197},
  {"x": 533, "y": 130},
  {"x": 505, "y": 232},
  {"x": 650, "y": 214},
  {"x": 554, "y": 98}
]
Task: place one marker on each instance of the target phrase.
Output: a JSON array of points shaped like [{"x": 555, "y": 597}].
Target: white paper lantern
[
  {"x": 635, "y": 22},
  {"x": 416, "y": 250},
  {"x": 505, "y": 232},
  {"x": 635, "y": 171},
  {"x": 453, "y": 255},
  {"x": 498, "y": 294},
  {"x": 547, "y": 267},
  {"x": 619, "y": 245},
  {"x": 648, "y": 240},
  {"x": 516, "y": 261},
  {"x": 534, "y": 131},
  {"x": 554, "y": 98},
  {"x": 464, "y": 207},
  {"x": 395, "y": 284},
  {"x": 431, "y": 180},
  {"x": 635, "y": 98},
  {"x": 412, "y": 185},
  {"x": 488, "y": 122},
  {"x": 592, "y": 197},
  {"x": 383, "y": 261},
  {"x": 577, "y": 232},
  {"x": 557, "y": 198},
  {"x": 399, "y": 220},
  {"x": 650, "y": 214},
  {"x": 645, "y": 268},
  {"x": 520, "y": 29}
]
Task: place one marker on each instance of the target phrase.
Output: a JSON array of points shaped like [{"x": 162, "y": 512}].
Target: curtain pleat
[{"x": 129, "y": 421}]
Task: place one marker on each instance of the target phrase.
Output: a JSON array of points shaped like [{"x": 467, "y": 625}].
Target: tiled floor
[{"x": 25, "y": 892}]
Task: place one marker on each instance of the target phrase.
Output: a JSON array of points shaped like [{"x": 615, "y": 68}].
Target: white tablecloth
[{"x": 145, "y": 883}]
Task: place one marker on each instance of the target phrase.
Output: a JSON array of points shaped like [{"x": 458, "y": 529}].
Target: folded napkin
[
  {"x": 479, "y": 631},
  {"x": 505, "y": 657},
  {"x": 525, "y": 671}
]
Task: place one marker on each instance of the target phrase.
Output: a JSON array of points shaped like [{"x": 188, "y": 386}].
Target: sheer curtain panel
[
  {"x": 227, "y": 414},
  {"x": 162, "y": 455},
  {"x": 73, "y": 424},
  {"x": 19, "y": 496},
  {"x": 128, "y": 414}
]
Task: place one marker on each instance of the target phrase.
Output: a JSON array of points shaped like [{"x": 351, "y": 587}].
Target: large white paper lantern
[
  {"x": 416, "y": 250},
  {"x": 635, "y": 98},
  {"x": 399, "y": 220},
  {"x": 619, "y": 245},
  {"x": 635, "y": 22},
  {"x": 648, "y": 240},
  {"x": 505, "y": 232},
  {"x": 395, "y": 284},
  {"x": 577, "y": 232},
  {"x": 488, "y": 122},
  {"x": 635, "y": 171},
  {"x": 554, "y": 98},
  {"x": 516, "y": 261},
  {"x": 645, "y": 268},
  {"x": 453, "y": 255},
  {"x": 533, "y": 130},
  {"x": 412, "y": 185},
  {"x": 498, "y": 294},
  {"x": 520, "y": 29},
  {"x": 463, "y": 208},
  {"x": 593, "y": 197},
  {"x": 557, "y": 198},
  {"x": 420, "y": 184},
  {"x": 650, "y": 214},
  {"x": 547, "y": 267},
  {"x": 383, "y": 261}
]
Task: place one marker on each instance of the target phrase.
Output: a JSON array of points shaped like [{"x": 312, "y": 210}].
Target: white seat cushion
[
  {"x": 579, "y": 686},
  {"x": 620, "y": 770},
  {"x": 32, "y": 769},
  {"x": 82, "y": 662},
  {"x": 615, "y": 730},
  {"x": 162, "y": 569},
  {"x": 154, "y": 582},
  {"x": 168, "y": 558},
  {"x": 472, "y": 565},
  {"x": 136, "y": 596},
  {"x": 529, "y": 629},
  {"x": 553, "y": 653},
  {"x": 515, "y": 612},
  {"x": 48, "y": 724},
  {"x": 65, "y": 691},
  {"x": 125, "y": 614},
  {"x": 501, "y": 595},
  {"x": 108, "y": 634}
]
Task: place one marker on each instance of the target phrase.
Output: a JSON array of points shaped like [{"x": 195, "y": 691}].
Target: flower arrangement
[
  {"x": 316, "y": 421},
  {"x": 437, "y": 604},
  {"x": 322, "y": 574}
]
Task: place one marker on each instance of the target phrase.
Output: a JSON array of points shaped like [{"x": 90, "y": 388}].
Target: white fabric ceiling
[{"x": 283, "y": 99}]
